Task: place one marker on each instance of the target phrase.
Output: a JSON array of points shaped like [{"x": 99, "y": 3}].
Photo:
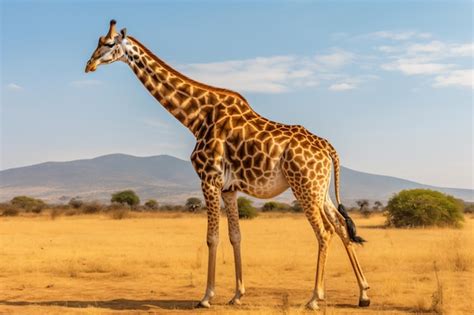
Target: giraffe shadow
[{"x": 116, "y": 304}]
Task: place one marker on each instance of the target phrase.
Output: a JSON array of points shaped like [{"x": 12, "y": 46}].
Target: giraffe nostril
[{"x": 89, "y": 67}]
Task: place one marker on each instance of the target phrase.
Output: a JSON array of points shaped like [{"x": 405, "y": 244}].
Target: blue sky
[{"x": 388, "y": 83}]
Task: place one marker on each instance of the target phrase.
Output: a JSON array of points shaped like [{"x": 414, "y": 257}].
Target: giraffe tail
[
  {"x": 350, "y": 225},
  {"x": 351, "y": 228}
]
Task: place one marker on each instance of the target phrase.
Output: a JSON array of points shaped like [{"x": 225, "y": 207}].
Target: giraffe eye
[{"x": 109, "y": 45}]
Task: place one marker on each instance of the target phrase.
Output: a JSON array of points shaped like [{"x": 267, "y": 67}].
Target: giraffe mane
[{"x": 175, "y": 72}]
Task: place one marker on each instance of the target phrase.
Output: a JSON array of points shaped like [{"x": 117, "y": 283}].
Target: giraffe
[{"x": 237, "y": 150}]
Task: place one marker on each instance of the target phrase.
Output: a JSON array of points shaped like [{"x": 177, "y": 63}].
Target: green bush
[
  {"x": 128, "y": 197},
  {"x": 424, "y": 207},
  {"x": 151, "y": 204},
  {"x": 28, "y": 204},
  {"x": 246, "y": 208}
]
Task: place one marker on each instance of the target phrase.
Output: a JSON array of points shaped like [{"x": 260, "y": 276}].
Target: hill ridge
[{"x": 168, "y": 179}]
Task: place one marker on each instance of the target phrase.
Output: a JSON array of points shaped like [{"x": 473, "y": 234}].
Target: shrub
[
  {"x": 119, "y": 214},
  {"x": 468, "y": 207},
  {"x": 424, "y": 207},
  {"x": 171, "y": 207},
  {"x": 128, "y": 197},
  {"x": 10, "y": 211},
  {"x": 92, "y": 207},
  {"x": 246, "y": 209},
  {"x": 76, "y": 203},
  {"x": 28, "y": 204},
  {"x": 193, "y": 204},
  {"x": 151, "y": 204},
  {"x": 55, "y": 212},
  {"x": 71, "y": 212},
  {"x": 269, "y": 206},
  {"x": 275, "y": 206},
  {"x": 296, "y": 206}
]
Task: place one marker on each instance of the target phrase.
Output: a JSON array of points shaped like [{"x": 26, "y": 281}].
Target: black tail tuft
[{"x": 351, "y": 228}]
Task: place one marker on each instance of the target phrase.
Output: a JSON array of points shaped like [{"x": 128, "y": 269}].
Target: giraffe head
[{"x": 109, "y": 48}]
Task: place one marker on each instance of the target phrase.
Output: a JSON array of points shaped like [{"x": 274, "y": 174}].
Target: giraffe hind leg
[
  {"x": 339, "y": 222},
  {"x": 311, "y": 199}
]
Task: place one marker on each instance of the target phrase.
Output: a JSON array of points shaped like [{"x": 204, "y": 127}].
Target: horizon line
[{"x": 178, "y": 158}]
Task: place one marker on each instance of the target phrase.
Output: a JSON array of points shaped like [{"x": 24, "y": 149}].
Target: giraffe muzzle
[{"x": 90, "y": 67}]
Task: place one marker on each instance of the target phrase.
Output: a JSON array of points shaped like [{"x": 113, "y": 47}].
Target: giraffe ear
[{"x": 123, "y": 31}]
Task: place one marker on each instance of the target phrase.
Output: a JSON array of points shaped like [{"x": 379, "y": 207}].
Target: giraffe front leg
[
  {"x": 230, "y": 201},
  {"x": 212, "y": 197}
]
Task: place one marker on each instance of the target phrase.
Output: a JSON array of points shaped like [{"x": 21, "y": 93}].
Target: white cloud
[
  {"x": 262, "y": 74},
  {"x": 388, "y": 49},
  {"x": 416, "y": 66},
  {"x": 335, "y": 60},
  {"x": 431, "y": 47},
  {"x": 342, "y": 87},
  {"x": 85, "y": 83},
  {"x": 400, "y": 35},
  {"x": 274, "y": 74},
  {"x": 444, "y": 62},
  {"x": 14, "y": 87},
  {"x": 463, "y": 78},
  {"x": 462, "y": 50}
]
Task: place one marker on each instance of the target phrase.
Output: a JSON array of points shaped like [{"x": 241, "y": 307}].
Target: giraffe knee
[
  {"x": 324, "y": 239},
  {"x": 234, "y": 238},
  {"x": 212, "y": 240}
]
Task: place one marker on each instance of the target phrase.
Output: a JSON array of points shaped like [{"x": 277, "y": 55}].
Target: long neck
[{"x": 189, "y": 101}]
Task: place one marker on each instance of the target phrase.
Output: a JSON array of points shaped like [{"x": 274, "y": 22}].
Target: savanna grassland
[{"x": 156, "y": 263}]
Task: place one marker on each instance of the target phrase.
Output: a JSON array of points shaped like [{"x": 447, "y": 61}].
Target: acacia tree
[
  {"x": 193, "y": 204},
  {"x": 151, "y": 204},
  {"x": 377, "y": 206},
  {"x": 246, "y": 208},
  {"x": 128, "y": 197},
  {"x": 363, "y": 204},
  {"x": 28, "y": 204}
]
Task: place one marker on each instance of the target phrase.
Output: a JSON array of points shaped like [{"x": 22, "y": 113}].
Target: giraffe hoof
[
  {"x": 235, "y": 301},
  {"x": 313, "y": 305},
  {"x": 203, "y": 304},
  {"x": 364, "y": 303}
]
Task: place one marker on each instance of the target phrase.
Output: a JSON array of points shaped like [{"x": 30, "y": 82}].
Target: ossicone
[{"x": 112, "y": 32}]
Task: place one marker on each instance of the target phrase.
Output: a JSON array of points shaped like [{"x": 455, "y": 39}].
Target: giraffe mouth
[{"x": 90, "y": 67}]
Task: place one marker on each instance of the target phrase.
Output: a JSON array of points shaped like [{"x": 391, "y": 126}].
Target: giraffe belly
[{"x": 270, "y": 185}]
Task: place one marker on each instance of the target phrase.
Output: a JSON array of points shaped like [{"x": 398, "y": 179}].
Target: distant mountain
[{"x": 165, "y": 178}]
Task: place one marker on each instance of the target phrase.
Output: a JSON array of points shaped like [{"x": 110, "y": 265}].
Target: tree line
[{"x": 408, "y": 208}]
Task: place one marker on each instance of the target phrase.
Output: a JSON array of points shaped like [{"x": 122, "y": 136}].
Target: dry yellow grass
[{"x": 157, "y": 264}]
